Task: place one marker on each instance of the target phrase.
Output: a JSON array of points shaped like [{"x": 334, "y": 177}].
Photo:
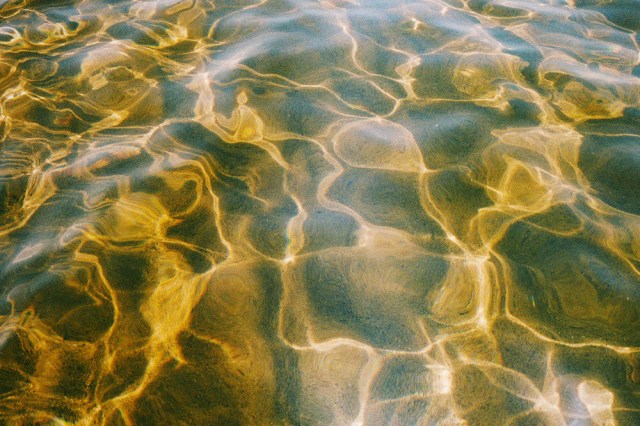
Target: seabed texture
[{"x": 296, "y": 212}]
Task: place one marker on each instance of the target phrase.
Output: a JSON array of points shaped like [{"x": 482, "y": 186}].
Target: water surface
[{"x": 320, "y": 212}]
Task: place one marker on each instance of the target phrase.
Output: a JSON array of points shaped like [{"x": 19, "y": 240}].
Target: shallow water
[{"x": 320, "y": 212}]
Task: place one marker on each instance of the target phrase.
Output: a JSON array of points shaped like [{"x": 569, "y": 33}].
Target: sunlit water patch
[{"x": 320, "y": 212}]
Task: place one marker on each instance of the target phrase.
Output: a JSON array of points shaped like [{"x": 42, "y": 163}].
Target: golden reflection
[{"x": 319, "y": 213}]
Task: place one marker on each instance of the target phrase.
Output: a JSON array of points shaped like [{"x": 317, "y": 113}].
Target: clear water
[{"x": 320, "y": 212}]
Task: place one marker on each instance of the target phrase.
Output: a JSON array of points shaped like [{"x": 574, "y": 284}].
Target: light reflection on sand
[{"x": 333, "y": 212}]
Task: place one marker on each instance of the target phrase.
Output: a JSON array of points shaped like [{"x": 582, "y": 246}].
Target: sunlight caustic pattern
[{"x": 320, "y": 212}]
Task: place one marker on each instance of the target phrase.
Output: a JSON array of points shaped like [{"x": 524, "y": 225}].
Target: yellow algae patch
[
  {"x": 522, "y": 188},
  {"x": 583, "y": 94},
  {"x": 169, "y": 306},
  {"x": 537, "y": 166},
  {"x": 465, "y": 294},
  {"x": 244, "y": 122},
  {"x": 378, "y": 144},
  {"x": 580, "y": 102},
  {"x": 136, "y": 216},
  {"x": 250, "y": 126},
  {"x": 479, "y": 75}
]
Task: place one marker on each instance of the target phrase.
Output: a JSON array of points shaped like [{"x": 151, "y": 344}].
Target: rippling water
[{"x": 320, "y": 212}]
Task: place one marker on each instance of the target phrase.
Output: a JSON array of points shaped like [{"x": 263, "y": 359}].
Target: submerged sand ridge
[{"x": 319, "y": 213}]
